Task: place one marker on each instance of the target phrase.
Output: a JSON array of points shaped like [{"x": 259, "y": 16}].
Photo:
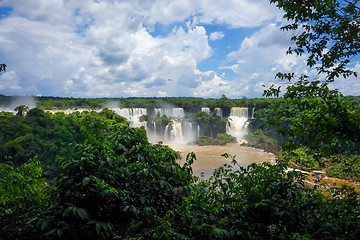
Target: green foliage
[
  {"x": 326, "y": 30},
  {"x": 115, "y": 184},
  {"x": 318, "y": 117},
  {"x": 221, "y": 139},
  {"x": 21, "y": 109},
  {"x": 258, "y": 139},
  {"x": 210, "y": 125},
  {"x": 45, "y": 135},
  {"x": 266, "y": 202},
  {"x": 23, "y": 196},
  {"x": 305, "y": 158},
  {"x": 345, "y": 166}
]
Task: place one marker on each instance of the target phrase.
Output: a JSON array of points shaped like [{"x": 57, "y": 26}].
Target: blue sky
[{"x": 112, "y": 48}]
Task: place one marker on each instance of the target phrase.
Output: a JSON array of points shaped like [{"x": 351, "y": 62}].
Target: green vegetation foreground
[{"x": 114, "y": 184}]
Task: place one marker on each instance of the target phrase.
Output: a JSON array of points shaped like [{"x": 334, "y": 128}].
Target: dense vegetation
[
  {"x": 190, "y": 105},
  {"x": 111, "y": 183}
]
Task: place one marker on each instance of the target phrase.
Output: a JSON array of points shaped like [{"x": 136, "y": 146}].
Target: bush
[
  {"x": 221, "y": 139},
  {"x": 116, "y": 184},
  {"x": 23, "y": 196}
]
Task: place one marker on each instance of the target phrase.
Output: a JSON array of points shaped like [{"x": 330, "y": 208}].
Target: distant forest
[{"x": 189, "y": 104}]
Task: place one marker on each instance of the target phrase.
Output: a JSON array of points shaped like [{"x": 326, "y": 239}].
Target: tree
[
  {"x": 21, "y": 109},
  {"x": 3, "y": 67},
  {"x": 23, "y": 196},
  {"x": 115, "y": 184},
  {"x": 327, "y": 30},
  {"x": 318, "y": 117}
]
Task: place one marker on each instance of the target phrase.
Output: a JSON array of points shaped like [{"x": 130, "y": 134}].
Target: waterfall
[
  {"x": 155, "y": 130},
  {"x": 170, "y": 112},
  {"x": 205, "y": 109},
  {"x": 181, "y": 131},
  {"x": 132, "y": 114},
  {"x": 239, "y": 112},
  {"x": 167, "y": 133},
  {"x": 219, "y": 112},
  {"x": 178, "y": 113},
  {"x": 176, "y": 133},
  {"x": 188, "y": 132},
  {"x": 238, "y": 123}
]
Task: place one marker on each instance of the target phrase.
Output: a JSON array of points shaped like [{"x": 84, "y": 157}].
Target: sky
[{"x": 146, "y": 48}]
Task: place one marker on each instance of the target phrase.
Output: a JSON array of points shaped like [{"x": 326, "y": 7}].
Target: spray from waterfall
[{"x": 238, "y": 123}]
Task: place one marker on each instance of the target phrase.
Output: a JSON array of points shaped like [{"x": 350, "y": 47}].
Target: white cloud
[
  {"x": 260, "y": 57},
  {"x": 9, "y": 81},
  {"x": 210, "y": 85},
  {"x": 216, "y": 36},
  {"x": 110, "y": 48},
  {"x": 238, "y": 13},
  {"x": 348, "y": 86}
]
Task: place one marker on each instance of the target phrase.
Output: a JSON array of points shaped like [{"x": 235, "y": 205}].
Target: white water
[
  {"x": 205, "y": 109},
  {"x": 238, "y": 123},
  {"x": 170, "y": 112},
  {"x": 219, "y": 112},
  {"x": 179, "y": 130},
  {"x": 132, "y": 114}
]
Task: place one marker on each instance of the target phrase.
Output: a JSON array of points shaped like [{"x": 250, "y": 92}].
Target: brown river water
[{"x": 208, "y": 158}]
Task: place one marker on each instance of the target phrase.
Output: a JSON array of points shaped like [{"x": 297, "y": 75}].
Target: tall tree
[
  {"x": 328, "y": 30},
  {"x": 3, "y": 67},
  {"x": 21, "y": 110}
]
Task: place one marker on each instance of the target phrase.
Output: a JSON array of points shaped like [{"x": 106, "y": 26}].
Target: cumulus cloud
[
  {"x": 210, "y": 84},
  {"x": 260, "y": 57},
  {"x": 9, "y": 80},
  {"x": 216, "y": 36},
  {"x": 108, "y": 48}
]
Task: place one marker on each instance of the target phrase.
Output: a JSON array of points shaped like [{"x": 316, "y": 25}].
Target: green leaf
[
  {"x": 59, "y": 233},
  {"x": 82, "y": 213},
  {"x": 66, "y": 212},
  {"x": 98, "y": 227},
  {"x": 43, "y": 225},
  {"x": 85, "y": 181}
]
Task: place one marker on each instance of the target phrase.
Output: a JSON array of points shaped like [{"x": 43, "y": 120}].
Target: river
[{"x": 208, "y": 158}]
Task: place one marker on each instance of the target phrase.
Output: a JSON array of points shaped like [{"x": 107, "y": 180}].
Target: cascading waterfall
[
  {"x": 178, "y": 113},
  {"x": 132, "y": 114},
  {"x": 219, "y": 112},
  {"x": 167, "y": 133},
  {"x": 205, "y": 109},
  {"x": 188, "y": 132},
  {"x": 170, "y": 112},
  {"x": 238, "y": 123},
  {"x": 155, "y": 134},
  {"x": 180, "y": 130},
  {"x": 176, "y": 133}
]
